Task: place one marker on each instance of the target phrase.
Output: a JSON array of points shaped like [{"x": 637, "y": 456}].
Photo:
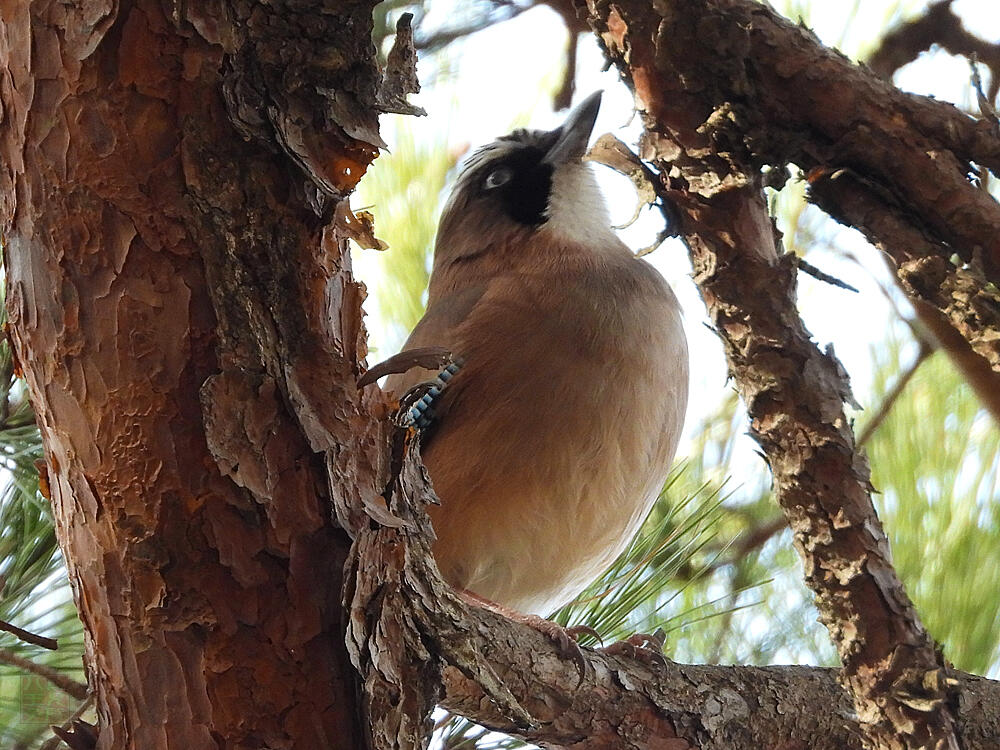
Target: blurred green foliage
[
  {"x": 936, "y": 461},
  {"x": 34, "y": 592},
  {"x": 397, "y": 188}
]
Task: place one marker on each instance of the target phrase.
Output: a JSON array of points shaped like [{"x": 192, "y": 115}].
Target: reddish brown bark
[
  {"x": 155, "y": 253},
  {"x": 629, "y": 704},
  {"x": 767, "y": 93},
  {"x": 409, "y": 632},
  {"x": 962, "y": 314},
  {"x": 727, "y": 86},
  {"x": 957, "y": 304},
  {"x": 182, "y": 303}
]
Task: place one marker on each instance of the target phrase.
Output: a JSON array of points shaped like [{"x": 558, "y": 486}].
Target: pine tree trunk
[{"x": 171, "y": 282}]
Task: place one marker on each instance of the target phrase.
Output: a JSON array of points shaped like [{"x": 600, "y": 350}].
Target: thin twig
[
  {"x": 986, "y": 110},
  {"x": 447, "y": 36},
  {"x": 76, "y": 689},
  {"x": 810, "y": 269},
  {"x": 752, "y": 540},
  {"x": 897, "y": 390},
  {"x": 736, "y": 582},
  {"x": 36, "y": 640},
  {"x": 53, "y": 742}
]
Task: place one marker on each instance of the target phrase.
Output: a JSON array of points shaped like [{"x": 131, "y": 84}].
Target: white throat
[{"x": 577, "y": 211}]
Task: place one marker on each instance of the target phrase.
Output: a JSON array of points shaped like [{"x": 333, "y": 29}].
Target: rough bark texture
[
  {"x": 967, "y": 328},
  {"x": 406, "y": 623},
  {"x": 627, "y": 704},
  {"x": 769, "y": 94},
  {"x": 948, "y": 297},
  {"x": 155, "y": 252},
  {"x": 726, "y": 87},
  {"x": 182, "y": 304},
  {"x": 408, "y": 632}
]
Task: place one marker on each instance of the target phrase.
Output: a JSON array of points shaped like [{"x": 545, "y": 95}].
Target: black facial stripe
[{"x": 525, "y": 197}]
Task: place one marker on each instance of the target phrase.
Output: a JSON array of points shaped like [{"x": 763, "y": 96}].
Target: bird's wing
[{"x": 436, "y": 332}]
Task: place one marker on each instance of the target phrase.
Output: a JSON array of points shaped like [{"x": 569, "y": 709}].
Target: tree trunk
[
  {"x": 181, "y": 301},
  {"x": 190, "y": 333}
]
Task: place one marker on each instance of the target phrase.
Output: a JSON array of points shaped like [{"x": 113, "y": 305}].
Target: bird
[{"x": 560, "y": 418}]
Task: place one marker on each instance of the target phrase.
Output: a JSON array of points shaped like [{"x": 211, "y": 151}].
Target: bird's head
[{"x": 528, "y": 182}]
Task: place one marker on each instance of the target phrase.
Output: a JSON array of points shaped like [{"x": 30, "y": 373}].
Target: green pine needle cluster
[
  {"x": 936, "y": 462},
  {"x": 34, "y": 592}
]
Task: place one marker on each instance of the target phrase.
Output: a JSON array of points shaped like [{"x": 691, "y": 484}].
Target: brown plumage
[{"x": 552, "y": 441}]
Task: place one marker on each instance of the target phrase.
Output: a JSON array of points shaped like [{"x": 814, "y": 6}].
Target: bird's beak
[{"x": 572, "y": 136}]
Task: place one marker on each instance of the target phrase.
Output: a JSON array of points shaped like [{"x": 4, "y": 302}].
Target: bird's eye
[{"x": 498, "y": 177}]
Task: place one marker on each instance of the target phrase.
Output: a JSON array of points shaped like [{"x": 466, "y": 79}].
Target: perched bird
[{"x": 553, "y": 439}]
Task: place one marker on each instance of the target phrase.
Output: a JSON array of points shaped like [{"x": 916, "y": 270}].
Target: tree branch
[
  {"x": 409, "y": 633},
  {"x": 76, "y": 689},
  {"x": 444, "y": 37},
  {"x": 937, "y": 25},
  {"x": 641, "y": 704},
  {"x": 960, "y": 293},
  {"x": 771, "y": 94},
  {"x": 728, "y": 86},
  {"x": 889, "y": 400},
  {"x": 29, "y": 637},
  {"x": 984, "y": 381}
]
